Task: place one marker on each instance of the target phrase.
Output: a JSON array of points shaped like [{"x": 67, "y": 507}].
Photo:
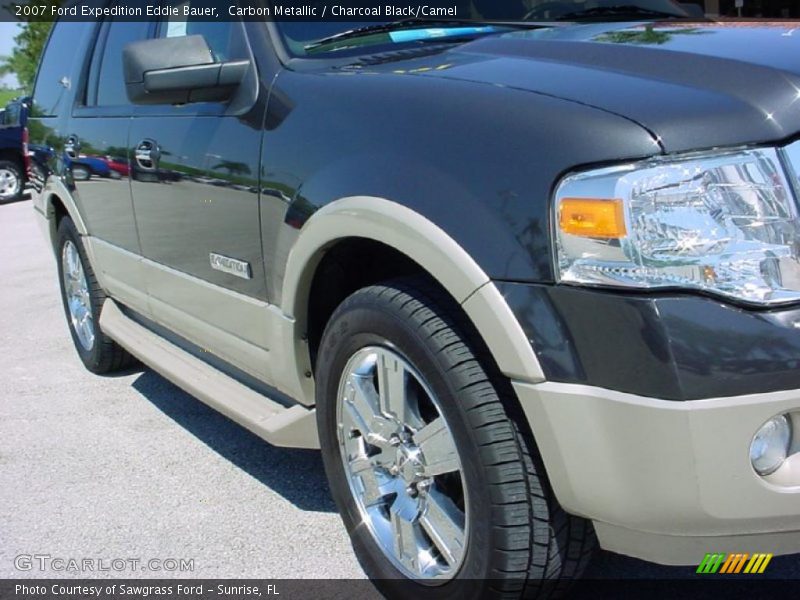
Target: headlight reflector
[{"x": 723, "y": 223}]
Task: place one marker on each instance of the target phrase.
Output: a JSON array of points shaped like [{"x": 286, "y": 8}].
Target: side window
[
  {"x": 53, "y": 82},
  {"x": 224, "y": 38},
  {"x": 106, "y": 81},
  {"x": 10, "y": 115}
]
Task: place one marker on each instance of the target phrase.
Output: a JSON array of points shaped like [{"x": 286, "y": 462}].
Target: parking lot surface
[{"x": 131, "y": 467}]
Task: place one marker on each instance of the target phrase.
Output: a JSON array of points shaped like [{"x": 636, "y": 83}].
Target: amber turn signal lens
[{"x": 592, "y": 217}]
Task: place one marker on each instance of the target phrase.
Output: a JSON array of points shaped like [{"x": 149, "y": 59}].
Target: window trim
[
  {"x": 88, "y": 94},
  {"x": 90, "y": 77}
]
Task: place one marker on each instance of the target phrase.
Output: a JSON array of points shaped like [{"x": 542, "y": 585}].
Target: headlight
[{"x": 724, "y": 223}]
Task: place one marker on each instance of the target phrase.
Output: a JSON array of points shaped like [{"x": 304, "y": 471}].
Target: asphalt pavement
[{"x": 131, "y": 468}]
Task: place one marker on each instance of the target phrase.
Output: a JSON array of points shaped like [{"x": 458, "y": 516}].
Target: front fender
[{"x": 421, "y": 240}]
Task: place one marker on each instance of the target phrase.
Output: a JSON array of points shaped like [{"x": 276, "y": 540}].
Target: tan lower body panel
[
  {"x": 281, "y": 426},
  {"x": 690, "y": 550},
  {"x": 252, "y": 335},
  {"x": 119, "y": 272},
  {"x": 675, "y": 472}
]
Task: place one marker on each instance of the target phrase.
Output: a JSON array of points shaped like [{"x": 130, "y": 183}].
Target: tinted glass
[
  {"x": 10, "y": 115},
  {"x": 54, "y": 79},
  {"x": 224, "y": 38},
  {"x": 110, "y": 81},
  {"x": 298, "y": 34}
]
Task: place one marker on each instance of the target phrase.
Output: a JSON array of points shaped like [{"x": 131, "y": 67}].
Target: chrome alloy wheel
[
  {"x": 10, "y": 184},
  {"x": 402, "y": 465},
  {"x": 76, "y": 291}
]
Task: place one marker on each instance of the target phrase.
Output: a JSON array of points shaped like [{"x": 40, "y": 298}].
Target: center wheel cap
[{"x": 409, "y": 464}]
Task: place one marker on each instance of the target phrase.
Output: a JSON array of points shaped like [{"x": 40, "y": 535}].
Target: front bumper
[
  {"x": 647, "y": 415},
  {"x": 662, "y": 480}
]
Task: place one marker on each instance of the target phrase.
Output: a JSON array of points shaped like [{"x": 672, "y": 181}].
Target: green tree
[
  {"x": 29, "y": 42},
  {"x": 648, "y": 35},
  {"x": 233, "y": 168}
]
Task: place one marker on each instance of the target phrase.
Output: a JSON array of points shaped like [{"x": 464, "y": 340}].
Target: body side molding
[{"x": 247, "y": 333}]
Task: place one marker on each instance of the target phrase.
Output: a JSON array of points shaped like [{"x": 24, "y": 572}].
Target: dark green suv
[{"x": 531, "y": 284}]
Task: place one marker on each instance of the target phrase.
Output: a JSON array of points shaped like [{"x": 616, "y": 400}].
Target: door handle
[
  {"x": 147, "y": 154},
  {"x": 72, "y": 146}
]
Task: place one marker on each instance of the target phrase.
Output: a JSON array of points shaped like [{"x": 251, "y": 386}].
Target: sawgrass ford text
[{"x": 145, "y": 590}]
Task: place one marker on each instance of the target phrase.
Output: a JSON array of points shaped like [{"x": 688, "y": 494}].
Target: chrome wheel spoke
[
  {"x": 371, "y": 482},
  {"x": 78, "y": 298},
  {"x": 444, "y": 523},
  {"x": 362, "y": 404},
  {"x": 69, "y": 262},
  {"x": 84, "y": 327},
  {"x": 438, "y": 448},
  {"x": 406, "y": 546},
  {"x": 393, "y": 392}
]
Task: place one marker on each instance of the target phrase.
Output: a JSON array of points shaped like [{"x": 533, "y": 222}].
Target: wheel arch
[
  {"x": 13, "y": 156},
  {"x": 57, "y": 202},
  {"x": 418, "y": 239}
]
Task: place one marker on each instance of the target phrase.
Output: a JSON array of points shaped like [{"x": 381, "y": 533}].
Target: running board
[{"x": 293, "y": 427}]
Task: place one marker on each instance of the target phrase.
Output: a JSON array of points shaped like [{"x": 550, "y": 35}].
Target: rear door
[{"x": 195, "y": 179}]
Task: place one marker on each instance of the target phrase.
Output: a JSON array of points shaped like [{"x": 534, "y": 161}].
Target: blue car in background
[{"x": 84, "y": 167}]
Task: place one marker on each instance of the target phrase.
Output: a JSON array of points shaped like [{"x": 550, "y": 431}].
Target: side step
[{"x": 293, "y": 427}]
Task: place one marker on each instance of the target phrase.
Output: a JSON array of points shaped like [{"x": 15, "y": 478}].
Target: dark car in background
[
  {"x": 531, "y": 282},
  {"x": 13, "y": 150}
]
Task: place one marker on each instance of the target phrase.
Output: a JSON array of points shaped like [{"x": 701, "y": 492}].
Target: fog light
[{"x": 771, "y": 445}]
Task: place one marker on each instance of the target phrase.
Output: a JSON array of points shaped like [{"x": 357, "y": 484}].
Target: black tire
[
  {"x": 105, "y": 355},
  {"x": 16, "y": 181},
  {"x": 522, "y": 543}
]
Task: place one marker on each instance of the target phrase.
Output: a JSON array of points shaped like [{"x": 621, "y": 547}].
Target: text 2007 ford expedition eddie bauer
[{"x": 531, "y": 286}]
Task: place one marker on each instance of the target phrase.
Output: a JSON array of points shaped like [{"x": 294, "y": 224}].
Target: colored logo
[{"x": 732, "y": 564}]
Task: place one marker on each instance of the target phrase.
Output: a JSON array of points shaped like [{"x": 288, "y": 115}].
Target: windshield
[{"x": 303, "y": 37}]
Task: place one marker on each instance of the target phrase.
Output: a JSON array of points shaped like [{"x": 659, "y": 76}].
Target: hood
[{"x": 692, "y": 85}]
